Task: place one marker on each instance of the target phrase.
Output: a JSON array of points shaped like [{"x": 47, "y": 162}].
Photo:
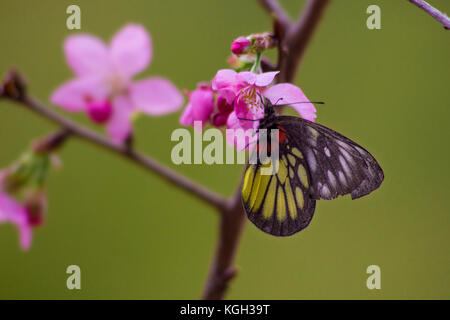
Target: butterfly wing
[
  {"x": 279, "y": 204},
  {"x": 336, "y": 164}
]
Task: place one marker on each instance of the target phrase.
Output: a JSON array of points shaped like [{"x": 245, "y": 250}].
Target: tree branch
[
  {"x": 435, "y": 13},
  {"x": 277, "y": 13},
  {"x": 296, "y": 39},
  {"x": 70, "y": 128}
]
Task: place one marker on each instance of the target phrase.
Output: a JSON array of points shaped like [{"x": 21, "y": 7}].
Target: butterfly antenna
[
  {"x": 287, "y": 104},
  {"x": 249, "y": 119}
]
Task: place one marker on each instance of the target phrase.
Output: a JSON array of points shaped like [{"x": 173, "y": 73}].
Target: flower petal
[
  {"x": 266, "y": 78},
  {"x": 131, "y": 49},
  {"x": 74, "y": 94},
  {"x": 25, "y": 234},
  {"x": 247, "y": 76},
  {"x": 203, "y": 104},
  {"x": 239, "y": 133},
  {"x": 156, "y": 96},
  {"x": 286, "y": 93},
  {"x": 86, "y": 54},
  {"x": 224, "y": 78},
  {"x": 119, "y": 126},
  {"x": 187, "y": 118},
  {"x": 12, "y": 211}
]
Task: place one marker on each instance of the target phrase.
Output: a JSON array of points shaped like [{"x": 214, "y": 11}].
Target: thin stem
[
  {"x": 435, "y": 13},
  {"x": 71, "y": 128},
  {"x": 257, "y": 65}
]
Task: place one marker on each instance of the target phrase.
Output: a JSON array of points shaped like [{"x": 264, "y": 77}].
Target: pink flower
[
  {"x": 241, "y": 45},
  {"x": 103, "y": 85},
  {"x": 200, "y": 106},
  {"x": 14, "y": 212},
  {"x": 247, "y": 89},
  {"x": 237, "y": 100}
]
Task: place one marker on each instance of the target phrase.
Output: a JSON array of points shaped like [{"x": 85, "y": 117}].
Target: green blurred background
[{"x": 135, "y": 236}]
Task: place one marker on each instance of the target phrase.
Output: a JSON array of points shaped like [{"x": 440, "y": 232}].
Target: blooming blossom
[
  {"x": 200, "y": 106},
  {"x": 247, "y": 90},
  {"x": 236, "y": 100},
  {"x": 103, "y": 86}
]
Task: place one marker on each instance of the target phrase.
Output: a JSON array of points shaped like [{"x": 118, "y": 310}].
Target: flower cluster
[
  {"x": 255, "y": 43},
  {"x": 235, "y": 99},
  {"x": 103, "y": 87}
]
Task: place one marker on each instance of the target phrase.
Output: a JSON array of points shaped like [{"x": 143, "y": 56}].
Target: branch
[
  {"x": 273, "y": 8},
  {"x": 232, "y": 223},
  {"x": 435, "y": 13},
  {"x": 297, "y": 38},
  {"x": 14, "y": 89}
]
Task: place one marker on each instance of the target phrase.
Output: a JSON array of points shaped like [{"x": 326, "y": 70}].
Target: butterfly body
[{"x": 314, "y": 163}]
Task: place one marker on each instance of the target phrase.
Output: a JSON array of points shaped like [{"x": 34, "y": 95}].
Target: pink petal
[
  {"x": 74, "y": 94},
  {"x": 289, "y": 94},
  {"x": 119, "y": 126},
  {"x": 264, "y": 79},
  {"x": 240, "y": 134},
  {"x": 224, "y": 78},
  {"x": 25, "y": 234},
  {"x": 156, "y": 96},
  {"x": 247, "y": 76},
  {"x": 187, "y": 118},
  {"x": 12, "y": 211},
  {"x": 203, "y": 104},
  {"x": 131, "y": 49},
  {"x": 86, "y": 54}
]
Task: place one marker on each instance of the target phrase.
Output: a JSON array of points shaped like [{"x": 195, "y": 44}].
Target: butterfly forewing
[{"x": 337, "y": 165}]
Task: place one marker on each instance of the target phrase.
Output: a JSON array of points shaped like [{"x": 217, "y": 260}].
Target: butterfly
[{"x": 314, "y": 162}]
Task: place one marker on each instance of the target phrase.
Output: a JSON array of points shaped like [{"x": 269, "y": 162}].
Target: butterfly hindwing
[
  {"x": 279, "y": 203},
  {"x": 337, "y": 165}
]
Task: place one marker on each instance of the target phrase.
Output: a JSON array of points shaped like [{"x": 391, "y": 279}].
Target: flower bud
[
  {"x": 36, "y": 206},
  {"x": 99, "y": 111},
  {"x": 13, "y": 86},
  {"x": 241, "y": 45}
]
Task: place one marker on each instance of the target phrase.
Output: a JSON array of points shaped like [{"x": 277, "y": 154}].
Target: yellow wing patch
[
  {"x": 281, "y": 205},
  {"x": 299, "y": 197},
  {"x": 248, "y": 181},
  {"x": 270, "y": 199},
  {"x": 291, "y": 159},
  {"x": 297, "y": 152},
  {"x": 260, "y": 190},
  {"x": 290, "y": 200},
  {"x": 282, "y": 172},
  {"x": 301, "y": 172}
]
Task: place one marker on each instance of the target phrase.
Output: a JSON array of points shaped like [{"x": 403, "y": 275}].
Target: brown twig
[
  {"x": 70, "y": 128},
  {"x": 276, "y": 12},
  {"x": 435, "y": 13}
]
